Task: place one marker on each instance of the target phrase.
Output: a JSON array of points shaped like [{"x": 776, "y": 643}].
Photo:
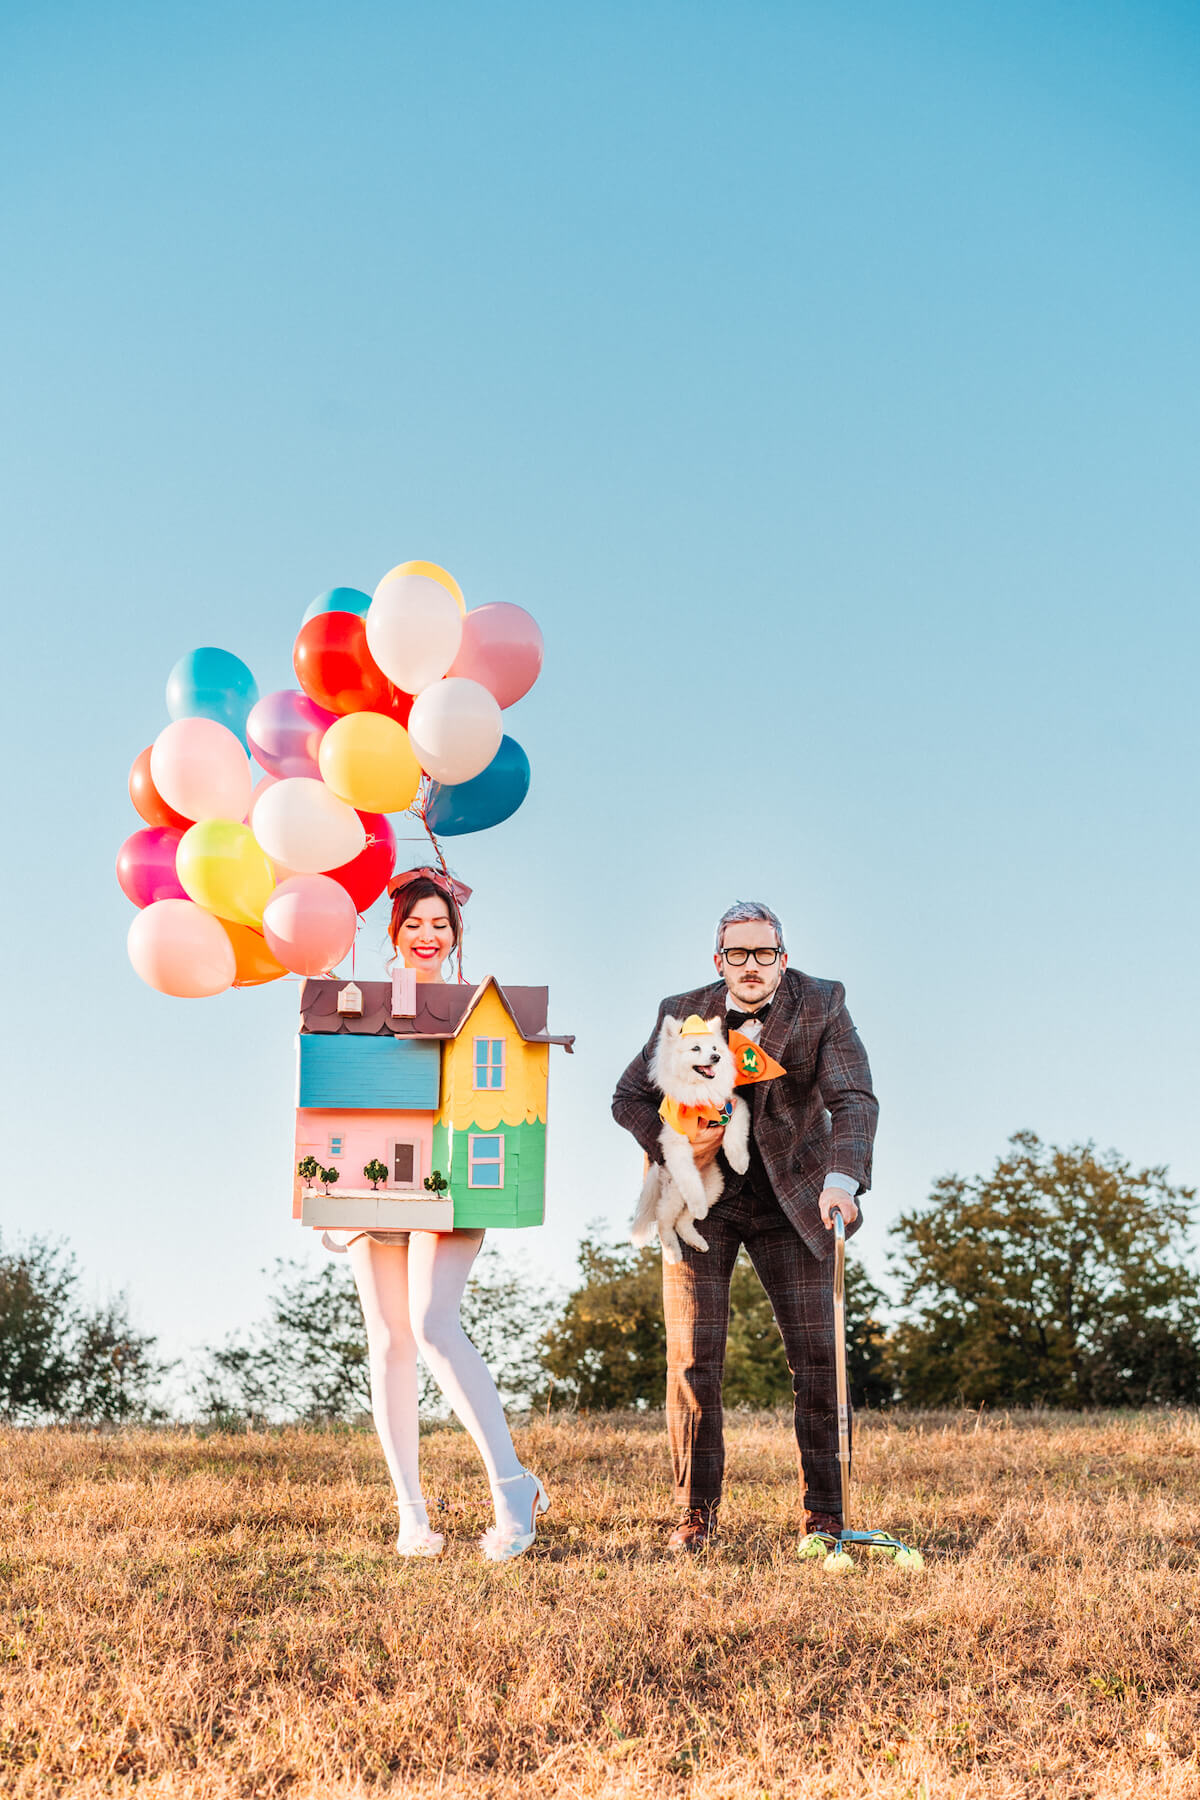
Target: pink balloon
[
  {"x": 200, "y": 769},
  {"x": 309, "y": 923},
  {"x": 178, "y": 948},
  {"x": 285, "y": 731},
  {"x": 146, "y": 866},
  {"x": 501, "y": 650}
]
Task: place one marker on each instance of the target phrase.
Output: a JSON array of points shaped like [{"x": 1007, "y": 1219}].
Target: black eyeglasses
[{"x": 765, "y": 955}]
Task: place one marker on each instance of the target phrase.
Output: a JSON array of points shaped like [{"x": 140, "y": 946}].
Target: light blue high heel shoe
[{"x": 498, "y": 1543}]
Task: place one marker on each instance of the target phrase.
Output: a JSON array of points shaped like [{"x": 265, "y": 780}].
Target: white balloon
[
  {"x": 301, "y": 823},
  {"x": 414, "y": 630},
  {"x": 455, "y": 727}
]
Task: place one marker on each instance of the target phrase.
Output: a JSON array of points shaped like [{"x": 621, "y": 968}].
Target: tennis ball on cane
[
  {"x": 838, "y": 1562},
  {"x": 811, "y": 1547},
  {"x": 912, "y": 1560}
]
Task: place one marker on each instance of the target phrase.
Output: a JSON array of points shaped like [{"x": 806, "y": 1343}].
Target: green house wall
[{"x": 522, "y": 1199}]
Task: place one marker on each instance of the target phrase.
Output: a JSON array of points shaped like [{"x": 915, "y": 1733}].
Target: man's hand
[
  {"x": 837, "y": 1200},
  {"x": 704, "y": 1150}
]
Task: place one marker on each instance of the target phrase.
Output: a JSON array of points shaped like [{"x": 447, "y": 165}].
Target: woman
[{"x": 411, "y": 1285}]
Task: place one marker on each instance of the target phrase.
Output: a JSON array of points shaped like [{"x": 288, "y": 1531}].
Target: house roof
[{"x": 442, "y": 1010}]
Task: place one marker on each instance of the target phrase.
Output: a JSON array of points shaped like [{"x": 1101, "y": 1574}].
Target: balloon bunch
[{"x": 398, "y": 710}]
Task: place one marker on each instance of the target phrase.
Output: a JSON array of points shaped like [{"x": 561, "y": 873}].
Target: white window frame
[
  {"x": 400, "y": 1187},
  {"x": 502, "y": 1065},
  {"x": 489, "y": 1162}
]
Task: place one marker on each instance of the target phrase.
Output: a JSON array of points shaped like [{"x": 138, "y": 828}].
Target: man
[{"x": 812, "y": 1129}]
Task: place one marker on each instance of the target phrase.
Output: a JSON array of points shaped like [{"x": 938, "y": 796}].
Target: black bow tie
[{"x": 735, "y": 1020}]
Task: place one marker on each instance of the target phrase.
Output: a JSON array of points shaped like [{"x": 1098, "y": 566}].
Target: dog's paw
[{"x": 738, "y": 1157}]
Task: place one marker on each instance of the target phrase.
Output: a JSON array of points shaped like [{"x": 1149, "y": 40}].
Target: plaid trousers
[{"x": 696, "y": 1304}]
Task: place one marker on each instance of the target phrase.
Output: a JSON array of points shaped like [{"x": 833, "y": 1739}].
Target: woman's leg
[
  {"x": 438, "y": 1266},
  {"x": 381, "y": 1274}
]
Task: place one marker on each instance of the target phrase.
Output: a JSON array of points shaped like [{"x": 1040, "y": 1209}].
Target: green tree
[
  {"x": 608, "y": 1346},
  {"x": 37, "y": 1316},
  {"x": 62, "y": 1361},
  {"x": 116, "y": 1373},
  {"x": 1060, "y": 1279}
]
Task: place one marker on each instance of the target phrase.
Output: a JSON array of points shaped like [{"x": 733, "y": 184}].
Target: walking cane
[{"x": 835, "y": 1550}]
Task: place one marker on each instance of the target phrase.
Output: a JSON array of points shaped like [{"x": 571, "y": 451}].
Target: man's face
[{"x": 752, "y": 985}]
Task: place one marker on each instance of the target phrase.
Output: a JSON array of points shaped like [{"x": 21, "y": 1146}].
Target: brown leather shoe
[
  {"x": 824, "y": 1523},
  {"x": 697, "y": 1526}
]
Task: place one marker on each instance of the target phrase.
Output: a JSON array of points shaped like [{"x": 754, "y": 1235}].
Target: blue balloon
[
  {"x": 212, "y": 684},
  {"x": 486, "y": 799},
  {"x": 338, "y": 600}
]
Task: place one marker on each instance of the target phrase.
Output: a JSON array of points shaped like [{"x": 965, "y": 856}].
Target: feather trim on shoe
[
  {"x": 498, "y": 1546},
  {"x": 420, "y": 1543}
]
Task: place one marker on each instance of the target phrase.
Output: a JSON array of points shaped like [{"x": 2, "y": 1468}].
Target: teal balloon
[
  {"x": 487, "y": 799},
  {"x": 338, "y": 600},
  {"x": 212, "y": 684}
]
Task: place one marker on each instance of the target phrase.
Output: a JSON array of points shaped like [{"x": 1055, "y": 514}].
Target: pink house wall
[{"x": 366, "y": 1135}]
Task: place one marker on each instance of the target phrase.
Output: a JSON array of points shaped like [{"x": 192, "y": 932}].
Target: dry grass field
[{"x": 220, "y": 1616}]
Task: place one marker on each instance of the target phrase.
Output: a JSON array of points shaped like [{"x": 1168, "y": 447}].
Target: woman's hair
[{"x": 408, "y": 897}]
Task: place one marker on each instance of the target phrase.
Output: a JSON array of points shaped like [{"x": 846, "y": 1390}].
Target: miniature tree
[
  {"x": 436, "y": 1183},
  {"x": 309, "y": 1169},
  {"x": 329, "y": 1177},
  {"x": 375, "y": 1171}
]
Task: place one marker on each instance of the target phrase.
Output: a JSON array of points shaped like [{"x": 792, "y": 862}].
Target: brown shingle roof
[{"x": 442, "y": 1010}]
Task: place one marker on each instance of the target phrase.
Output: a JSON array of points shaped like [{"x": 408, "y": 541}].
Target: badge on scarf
[{"x": 752, "y": 1062}]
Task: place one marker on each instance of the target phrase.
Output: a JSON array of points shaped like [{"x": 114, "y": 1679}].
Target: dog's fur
[{"x": 698, "y": 1071}]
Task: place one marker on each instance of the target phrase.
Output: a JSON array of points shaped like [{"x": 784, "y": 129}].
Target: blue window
[
  {"x": 485, "y": 1160},
  {"x": 337, "y": 1144},
  {"x": 489, "y": 1062}
]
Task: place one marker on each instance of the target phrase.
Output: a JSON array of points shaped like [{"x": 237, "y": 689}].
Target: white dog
[{"x": 693, "y": 1068}]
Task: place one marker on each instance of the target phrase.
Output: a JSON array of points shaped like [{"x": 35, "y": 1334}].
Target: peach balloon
[
  {"x": 178, "y": 948},
  {"x": 201, "y": 770}
]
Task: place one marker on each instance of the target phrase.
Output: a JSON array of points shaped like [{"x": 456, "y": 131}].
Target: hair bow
[{"x": 458, "y": 891}]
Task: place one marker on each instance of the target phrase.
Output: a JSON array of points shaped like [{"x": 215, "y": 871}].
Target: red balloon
[
  {"x": 147, "y": 799},
  {"x": 335, "y": 668},
  {"x": 365, "y": 878}
]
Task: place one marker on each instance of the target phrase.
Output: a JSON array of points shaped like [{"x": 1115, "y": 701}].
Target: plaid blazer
[{"x": 819, "y": 1116}]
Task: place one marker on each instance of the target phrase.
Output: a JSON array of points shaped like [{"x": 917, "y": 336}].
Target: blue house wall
[{"x": 369, "y": 1073}]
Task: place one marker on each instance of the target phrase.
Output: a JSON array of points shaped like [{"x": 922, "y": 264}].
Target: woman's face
[{"x": 426, "y": 939}]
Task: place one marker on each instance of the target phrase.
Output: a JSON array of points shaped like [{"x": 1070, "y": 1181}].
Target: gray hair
[{"x": 744, "y": 910}]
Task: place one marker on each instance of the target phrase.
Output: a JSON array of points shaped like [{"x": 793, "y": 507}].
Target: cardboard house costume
[{"x": 427, "y": 1079}]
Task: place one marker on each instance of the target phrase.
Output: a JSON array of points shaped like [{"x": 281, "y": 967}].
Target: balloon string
[{"x": 420, "y": 807}]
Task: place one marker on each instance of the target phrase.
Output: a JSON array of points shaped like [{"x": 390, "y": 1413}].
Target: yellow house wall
[{"x": 521, "y": 1101}]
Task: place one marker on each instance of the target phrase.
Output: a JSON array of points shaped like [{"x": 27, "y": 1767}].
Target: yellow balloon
[
  {"x": 434, "y": 573},
  {"x": 367, "y": 760},
  {"x": 221, "y": 867}
]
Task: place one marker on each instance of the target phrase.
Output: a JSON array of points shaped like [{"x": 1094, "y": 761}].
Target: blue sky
[{"x": 824, "y": 380}]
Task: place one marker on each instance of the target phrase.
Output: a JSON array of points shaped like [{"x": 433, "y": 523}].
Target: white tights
[{"x": 410, "y": 1296}]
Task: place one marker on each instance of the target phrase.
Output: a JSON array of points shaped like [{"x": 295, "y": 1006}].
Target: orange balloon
[{"x": 255, "y": 963}]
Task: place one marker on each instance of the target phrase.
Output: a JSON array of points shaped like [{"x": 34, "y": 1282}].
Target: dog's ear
[
  {"x": 714, "y": 1025},
  {"x": 671, "y": 1027}
]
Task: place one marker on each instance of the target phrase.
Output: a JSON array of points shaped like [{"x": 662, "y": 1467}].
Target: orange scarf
[{"x": 692, "y": 1122}]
